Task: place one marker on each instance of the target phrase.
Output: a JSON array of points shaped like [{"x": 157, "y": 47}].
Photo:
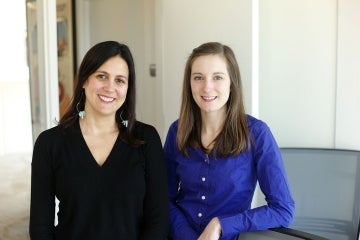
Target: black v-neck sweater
[{"x": 125, "y": 198}]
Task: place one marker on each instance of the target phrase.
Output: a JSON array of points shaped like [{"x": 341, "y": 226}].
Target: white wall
[
  {"x": 165, "y": 32},
  {"x": 347, "y": 130},
  {"x": 130, "y": 22},
  {"x": 308, "y": 59},
  {"x": 309, "y": 72},
  {"x": 297, "y": 70},
  {"x": 187, "y": 24}
]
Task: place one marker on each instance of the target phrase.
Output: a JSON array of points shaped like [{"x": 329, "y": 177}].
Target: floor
[{"x": 15, "y": 172}]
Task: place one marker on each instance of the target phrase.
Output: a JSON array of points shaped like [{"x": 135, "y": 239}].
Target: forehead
[
  {"x": 114, "y": 65},
  {"x": 213, "y": 62}
]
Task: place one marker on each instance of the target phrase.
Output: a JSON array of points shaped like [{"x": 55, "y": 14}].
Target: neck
[
  {"x": 95, "y": 126},
  {"x": 212, "y": 123}
]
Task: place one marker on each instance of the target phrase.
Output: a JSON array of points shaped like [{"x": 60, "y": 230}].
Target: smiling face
[
  {"x": 106, "y": 88},
  {"x": 210, "y": 83}
]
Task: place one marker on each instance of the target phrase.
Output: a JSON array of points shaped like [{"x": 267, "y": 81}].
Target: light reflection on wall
[{"x": 15, "y": 119}]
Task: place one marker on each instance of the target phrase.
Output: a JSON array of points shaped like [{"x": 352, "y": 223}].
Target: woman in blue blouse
[{"x": 216, "y": 153}]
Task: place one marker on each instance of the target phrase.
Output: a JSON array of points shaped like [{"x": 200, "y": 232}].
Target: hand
[{"x": 212, "y": 230}]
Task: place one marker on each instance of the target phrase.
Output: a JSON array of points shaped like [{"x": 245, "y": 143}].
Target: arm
[
  {"x": 179, "y": 227},
  {"x": 270, "y": 171},
  {"x": 212, "y": 230},
  {"x": 155, "y": 203},
  {"x": 42, "y": 204}
]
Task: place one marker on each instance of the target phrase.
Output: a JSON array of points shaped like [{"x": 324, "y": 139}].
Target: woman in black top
[{"x": 105, "y": 168}]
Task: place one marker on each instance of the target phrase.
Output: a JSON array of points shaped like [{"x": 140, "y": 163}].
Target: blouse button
[
  {"x": 203, "y": 197},
  {"x": 199, "y": 215},
  {"x": 203, "y": 179}
]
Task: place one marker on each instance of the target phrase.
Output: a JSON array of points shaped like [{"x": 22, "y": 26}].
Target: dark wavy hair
[
  {"x": 234, "y": 137},
  {"x": 93, "y": 59}
]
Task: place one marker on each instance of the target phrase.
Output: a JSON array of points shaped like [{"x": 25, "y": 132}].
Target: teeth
[
  {"x": 208, "y": 98},
  {"x": 106, "y": 99}
]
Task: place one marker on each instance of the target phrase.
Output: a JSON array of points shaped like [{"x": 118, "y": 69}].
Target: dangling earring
[
  {"x": 124, "y": 122},
  {"x": 82, "y": 113}
]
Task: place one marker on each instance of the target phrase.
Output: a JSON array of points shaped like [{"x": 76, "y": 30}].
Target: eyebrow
[
  {"x": 104, "y": 72},
  {"x": 222, "y": 73}
]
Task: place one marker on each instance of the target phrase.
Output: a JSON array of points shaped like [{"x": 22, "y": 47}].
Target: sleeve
[
  {"x": 42, "y": 202},
  {"x": 156, "y": 209},
  {"x": 279, "y": 211},
  {"x": 179, "y": 227}
]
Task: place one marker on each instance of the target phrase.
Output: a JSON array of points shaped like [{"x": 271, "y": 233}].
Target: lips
[
  {"x": 208, "y": 99},
  {"x": 106, "y": 99}
]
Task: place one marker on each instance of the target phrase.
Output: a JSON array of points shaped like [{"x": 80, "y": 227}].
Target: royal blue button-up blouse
[{"x": 201, "y": 187}]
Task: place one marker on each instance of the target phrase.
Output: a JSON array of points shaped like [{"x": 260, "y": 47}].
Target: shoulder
[
  {"x": 145, "y": 131},
  {"x": 54, "y": 135},
  {"x": 170, "y": 140},
  {"x": 48, "y": 140},
  {"x": 255, "y": 123},
  {"x": 172, "y": 131},
  {"x": 260, "y": 132},
  {"x": 256, "y": 126},
  {"x": 174, "y": 126},
  {"x": 49, "y": 135}
]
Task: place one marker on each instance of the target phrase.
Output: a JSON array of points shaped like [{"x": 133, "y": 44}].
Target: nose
[
  {"x": 109, "y": 85},
  {"x": 207, "y": 84}
]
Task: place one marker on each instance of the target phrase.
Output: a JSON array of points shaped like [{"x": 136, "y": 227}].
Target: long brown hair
[
  {"x": 93, "y": 59},
  {"x": 234, "y": 137}
]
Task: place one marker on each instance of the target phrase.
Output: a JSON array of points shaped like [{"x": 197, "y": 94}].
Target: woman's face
[
  {"x": 210, "y": 83},
  {"x": 106, "y": 88}
]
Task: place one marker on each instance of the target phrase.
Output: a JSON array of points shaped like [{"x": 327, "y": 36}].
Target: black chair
[
  {"x": 325, "y": 184},
  {"x": 280, "y": 234}
]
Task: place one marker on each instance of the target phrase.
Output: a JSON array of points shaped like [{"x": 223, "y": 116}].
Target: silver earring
[
  {"x": 82, "y": 113},
  {"x": 124, "y": 122}
]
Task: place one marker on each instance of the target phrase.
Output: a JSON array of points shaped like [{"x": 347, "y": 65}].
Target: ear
[{"x": 86, "y": 82}]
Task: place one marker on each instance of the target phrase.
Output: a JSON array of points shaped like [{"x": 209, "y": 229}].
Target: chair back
[{"x": 325, "y": 184}]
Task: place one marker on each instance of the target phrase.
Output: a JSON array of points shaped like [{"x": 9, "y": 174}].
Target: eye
[
  {"x": 197, "y": 77},
  {"x": 101, "y": 76},
  {"x": 120, "y": 80},
  {"x": 218, "y": 77}
]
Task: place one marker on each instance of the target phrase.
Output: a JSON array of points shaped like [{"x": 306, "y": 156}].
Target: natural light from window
[{"x": 15, "y": 114}]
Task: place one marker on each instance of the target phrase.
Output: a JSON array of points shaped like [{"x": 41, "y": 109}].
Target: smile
[
  {"x": 208, "y": 99},
  {"x": 106, "y": 99}
]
